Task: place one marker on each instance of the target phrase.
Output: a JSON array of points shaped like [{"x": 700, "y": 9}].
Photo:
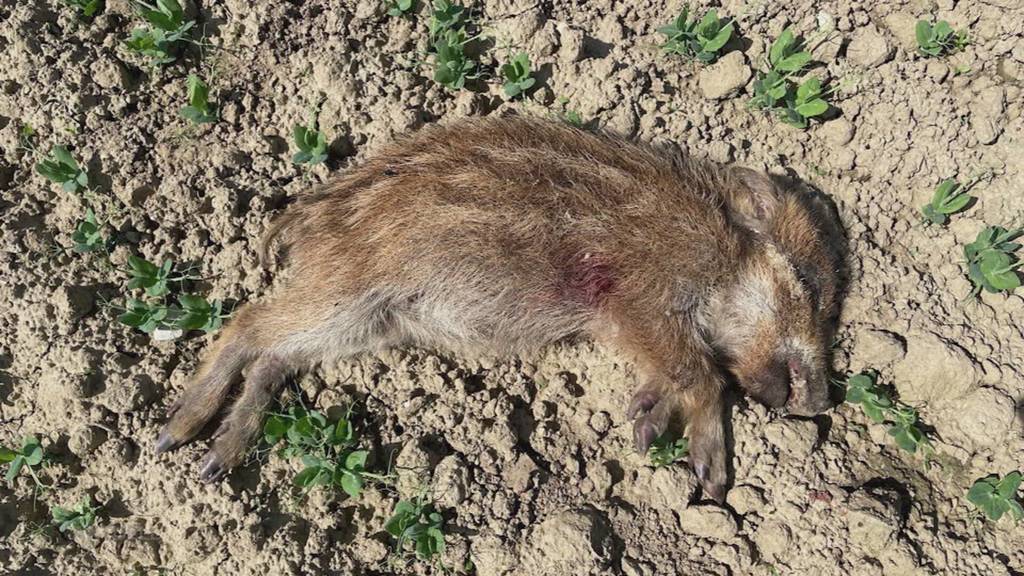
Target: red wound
[{"x": 588, "y": 278}]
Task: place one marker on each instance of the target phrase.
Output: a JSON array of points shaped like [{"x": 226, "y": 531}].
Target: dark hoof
[
  {"x": 165, "y": 442},
  {"x": 644, "y": 433},
  {"x": 713, "y": 489},
  {"x": 642, "y": 403},
  {"x": 213, "y": 468}
]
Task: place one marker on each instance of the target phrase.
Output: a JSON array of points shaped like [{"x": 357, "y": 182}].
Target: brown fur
[{"x": 503, "y": 235}]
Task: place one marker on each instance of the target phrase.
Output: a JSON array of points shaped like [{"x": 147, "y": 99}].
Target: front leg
[{"x": 679, "y": 377}]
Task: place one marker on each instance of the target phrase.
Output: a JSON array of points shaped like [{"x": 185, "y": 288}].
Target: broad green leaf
[{"x": 812, "y": 108}]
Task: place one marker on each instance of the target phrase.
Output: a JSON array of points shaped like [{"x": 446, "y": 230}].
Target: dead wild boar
[{"x": 503, "y": 235}]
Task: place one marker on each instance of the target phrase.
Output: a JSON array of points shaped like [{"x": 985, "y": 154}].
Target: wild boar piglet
[{"x": 502, "y": 235}]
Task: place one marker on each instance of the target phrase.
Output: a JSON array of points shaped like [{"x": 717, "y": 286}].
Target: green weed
[
  {"x": 794, "y": 103},
  {"x": 446, "y": 16},
  {"x": 311, "y": 142},
  {"x": 949, "y": 198},
  {"x": 991, "y": 262},
  {"x": 192, "y": 312},
  {"x": 27, "y": 458},
  {"x": 666, "y": 450},
  {"x": 88, "y": 235},
  {"x": 415, "y": 523},
  {"x": 701, "y": 39},
  {"x": 79, "y": 517},
  {"x": 86, "y": 7},
  {"x": 939, "y": 39},
  {"x": 167, "y": 27},
  {"x": 398, "y": 8},
  {"x": 62, "y": 168},
  {"x": 518, "y": 78},
  {"x": 327, "y": 448},
  {"x": 996, "y": 496},
  {"x": 199, "y": 109},
  {"x": 567, "y": 115},
  {"x": 863, "y": 389},
  {"x": 448, "y": 27}
]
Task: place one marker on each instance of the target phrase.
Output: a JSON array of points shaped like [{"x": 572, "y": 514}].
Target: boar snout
[{"x": 808, "y": 391}]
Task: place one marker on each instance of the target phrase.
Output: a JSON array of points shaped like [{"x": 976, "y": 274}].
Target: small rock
[
  {"x": 937, "y": 71},
  {"x": 129, "y": 395},
  {"x": 491, "y": 556},
  {"x": 902, "y": 25},
  {"x": 987, "y": 114},
  {"x": 878, "y": 348},
  {"x": 84, "y": 440},
  {"x": 665, "y": 488},
  {"x": 108, "y": 73},
  {"x": 518, "y": 476},
  {"x": 600, "y": 422},
  {"x": 796, "y": 437},
  {"x": 869, "y": 47},
  {"x": 837, "y": 132},
  {"x": 568, "y": 543},
  {"x": 983, "y": 417},
  {"x": 773, "y": 539},
  {"x": 708, "y": 522},
  {"x": 745, "y": 499},
  {"x": 451, "y": 480},
  {"x": 933, "y": 371},
  {"x": 720, "y": 151},
  {"x": 724, "y": 77}
]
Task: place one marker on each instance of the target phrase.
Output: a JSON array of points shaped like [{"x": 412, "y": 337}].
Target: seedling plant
[
  {"x": 87, "y": 8},
  {"x": 701, "y": 39},
  {"x": 863, "y": 389},
  {"x": 199, "y": 109},
  {"x": 949, "y": 198},
  {"x": 794, "y": 103},
  {"x": 991, "y": 260},
  {"x": 311, "y": 142},
  {"x": 62, "y": 168},
  {"x": 568, "y": 115},
  {"x": 448, "y": 26},
  {"x": 88, "y": 235},
  {"x": 78, "y": 517},
  {"x": 327, "y": 448},
  {"x": 517, "y": 74},
  {"x": 996, "y": 496},
  {"x": 398, "y": 8},
  {"x": 666, "y": 450},
  {"x": 415, "y": 523},
  {"x": 152, "y": 312},
  {"x": 939, "y": 39},
  {"x": 167, "y": 27},
  {"x": 27, "y": 458}
]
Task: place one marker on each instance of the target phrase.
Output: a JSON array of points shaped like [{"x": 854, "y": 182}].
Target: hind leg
[
  {"x": 209, "y": 388},
  {"x": 242, "y": 425}
]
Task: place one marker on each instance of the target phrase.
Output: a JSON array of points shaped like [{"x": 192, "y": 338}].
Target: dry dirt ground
[{"x": 528, "y": 459}]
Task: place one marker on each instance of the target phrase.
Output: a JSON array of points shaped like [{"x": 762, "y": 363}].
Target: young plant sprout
[
  {"x": 451, "y": 65},
  {"x": 167, "y": 27},
  {"x": 665, "y": 450},
  {"x": 88, "y": 235},
  {"x": 86, "y": 7},
  {"x": 996, "y": 496},
  {"x": 196, "y": 313},
  {"x": 991, "y": 262},
  {"x": 79, "y": 517},
  {"x": 445, "y": 16},
  {"x": 939, "y": 39},
  {"x": 701, "y": 39},
  {"x": 794, "y": 103},
  {"x": 26, "y": 458},
  {"x": 312, "y": 144},
  {"x": 567, "y": 115},
  {"x": 145, "y": 316},
  {"x": 327, "y": 448},
  {"x": 145, "y": 274},
  {"x": 949, "y": 198},
  {"x": 517, "y": 75},
  {"x": 193, "y": 312},
  {"x": 62, "y": 168},
  {"x": 416, "y": 522},
  {"x": 879, "y": 406},
  {"x": 199, "y": 109},
  {"x": 398, "y": 8}
]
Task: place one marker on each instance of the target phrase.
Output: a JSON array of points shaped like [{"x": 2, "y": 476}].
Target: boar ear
[{"x": 751, "y": 198}]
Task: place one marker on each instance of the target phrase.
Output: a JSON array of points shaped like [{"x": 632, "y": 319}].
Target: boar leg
[
  {"x": 678, "y": 378},
  {"x": 236, "y": 433},
  {"x": 209, "y": 388}
]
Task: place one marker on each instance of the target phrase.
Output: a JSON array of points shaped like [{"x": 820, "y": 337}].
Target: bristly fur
[{"x": 505, "y": 234}]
